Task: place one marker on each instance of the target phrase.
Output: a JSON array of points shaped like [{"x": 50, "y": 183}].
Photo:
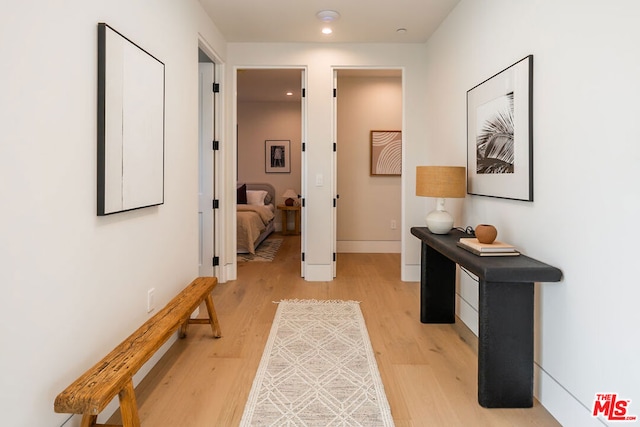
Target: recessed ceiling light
[
  {"x": 289, "y": 93},
  {"x": 401, "y": 30},
  {"x": 327, "y": 16}
]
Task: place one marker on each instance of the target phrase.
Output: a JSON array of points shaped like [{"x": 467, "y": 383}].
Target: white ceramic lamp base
[{"x": 439, "y": 221}]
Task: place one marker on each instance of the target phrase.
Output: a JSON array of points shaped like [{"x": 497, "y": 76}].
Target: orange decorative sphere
[{"x": 486, "y": 233}]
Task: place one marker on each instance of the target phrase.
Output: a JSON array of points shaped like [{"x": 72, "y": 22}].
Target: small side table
[{"x": 285, "y": 216}]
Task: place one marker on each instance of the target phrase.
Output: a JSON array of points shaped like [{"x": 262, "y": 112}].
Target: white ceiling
[{"x": 294, "y": 21}]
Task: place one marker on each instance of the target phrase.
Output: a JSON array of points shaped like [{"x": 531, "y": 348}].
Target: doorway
[
  {"x": 368, "y": 215},
  {"x": 270, "y": 113}
]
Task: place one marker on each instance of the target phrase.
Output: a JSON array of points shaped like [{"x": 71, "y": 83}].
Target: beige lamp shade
[
  {"x": 290, "y": 196},
  {"x": 441, "y": 181}
]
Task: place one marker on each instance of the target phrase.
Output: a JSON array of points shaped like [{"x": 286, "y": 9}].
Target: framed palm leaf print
[{"x": 500, "y": 134}]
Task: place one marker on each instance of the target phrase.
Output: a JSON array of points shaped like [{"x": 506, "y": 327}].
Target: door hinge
[
  {"x": 335, "y": 92},
  {"x": 335, "y": 202},
  {"x": 215, "y": 145},
  {"x": 302, "y": 256},
  {"x": 302, "y": 202},
  {"x": 216, "y": 203},
  {"x": 334, "y": 257},
  {"x": 304, "y": 92},
  {"x": 216, "y": 88},
  {"x": 335, "y": 147},
  {"x": 304, "y": 146},
  {"x": 216, "y": 261}
]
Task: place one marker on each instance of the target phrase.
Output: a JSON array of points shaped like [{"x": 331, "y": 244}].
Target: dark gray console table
[{"x": 506, "y": 287}]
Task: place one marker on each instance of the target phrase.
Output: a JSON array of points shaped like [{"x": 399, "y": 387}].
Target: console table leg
[
  {"x": 437, "y": 287},
  {"x": 505, "y": 345}
]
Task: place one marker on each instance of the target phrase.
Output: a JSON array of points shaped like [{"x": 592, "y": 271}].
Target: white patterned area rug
[
  {"x": 317, "y": 369},
  {"x": 266, "y": 252}
]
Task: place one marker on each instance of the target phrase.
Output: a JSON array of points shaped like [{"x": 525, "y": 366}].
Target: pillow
[
  {"x": 242, "y": 194},
  {"x": 256, "y": 197},
  {"x": 267, "y": 199}
]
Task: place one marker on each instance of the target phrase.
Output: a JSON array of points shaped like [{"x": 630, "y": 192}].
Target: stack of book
[{"x": 487, "y": 249}]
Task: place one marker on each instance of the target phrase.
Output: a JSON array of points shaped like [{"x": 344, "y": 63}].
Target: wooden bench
[{"x": 113, "y": 375}]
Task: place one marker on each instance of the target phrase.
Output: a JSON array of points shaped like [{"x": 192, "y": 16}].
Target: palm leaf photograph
[
  {"x": 495, "y": 148},
  {"x": 500, "y": 134}
]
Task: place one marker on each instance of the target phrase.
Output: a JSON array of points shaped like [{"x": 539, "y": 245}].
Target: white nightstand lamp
[{"x": 289, "y": 197}]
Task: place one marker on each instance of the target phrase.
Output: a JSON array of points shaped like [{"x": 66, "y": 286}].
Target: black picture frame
[
  {"x": 277, "y": 156},
  {"x": 500, "y": 134},
  {"x": 130, "y": 131}
]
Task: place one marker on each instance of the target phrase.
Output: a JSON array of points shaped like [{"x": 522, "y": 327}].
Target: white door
[
  {"x": 303, "y": 168},
  {"x": 334, "y": 167},
  {"x": 206, "y": 169}
]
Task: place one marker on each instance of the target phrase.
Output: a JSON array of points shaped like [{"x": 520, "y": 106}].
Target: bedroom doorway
[
  {"x": 270, "y": 113},
  {"x": 367, "y": 102}
]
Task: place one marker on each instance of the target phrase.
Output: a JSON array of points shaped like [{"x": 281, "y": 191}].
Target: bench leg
[
  {"x": 128, "y": 406},
  {"x": 184, "y": 328},
  {"x": 213, "y": 318}
]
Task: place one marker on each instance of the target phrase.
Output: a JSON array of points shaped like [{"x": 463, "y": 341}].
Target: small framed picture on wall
[
  {"x": 386, "y": 152},
  {"x": 277, "y": 156}
]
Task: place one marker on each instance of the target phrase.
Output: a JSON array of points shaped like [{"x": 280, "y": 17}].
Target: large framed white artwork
[
  {"x": 500, "y": 134},
  {"x": 130, "y": 125}
]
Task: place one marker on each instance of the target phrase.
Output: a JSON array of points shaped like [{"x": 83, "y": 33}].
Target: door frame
[
  {"x": 219, "y": 215},
  {"x": 303, "y": 139},
  {"x": 206, "y": 169},
  {"x": 335, "y": 71}
]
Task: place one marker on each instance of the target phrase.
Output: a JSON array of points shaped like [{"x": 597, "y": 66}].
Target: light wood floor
[{"x": 429, "y": 373}]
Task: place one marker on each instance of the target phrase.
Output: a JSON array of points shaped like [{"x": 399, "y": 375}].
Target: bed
[{"x": 255, "y": 215}]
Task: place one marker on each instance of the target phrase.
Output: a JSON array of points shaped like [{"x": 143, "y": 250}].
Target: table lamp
[
  {"x": 441, "y": 182},
  {"x": 289, "y": 197}
]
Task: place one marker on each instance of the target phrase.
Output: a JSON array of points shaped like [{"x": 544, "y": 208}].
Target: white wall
[
  {"x": 74, "y": 284},
  {"x": 368, "y": 204},
  {"x": 586, "y": 154},
  {"x": 319, "y": 61}
]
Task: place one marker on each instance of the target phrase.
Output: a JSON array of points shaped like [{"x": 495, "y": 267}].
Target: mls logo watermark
[{"x": 612, "y": 408}]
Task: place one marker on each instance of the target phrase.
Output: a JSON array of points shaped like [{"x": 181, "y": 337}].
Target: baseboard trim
[
  {"x": 318, "y": 272},
  {"x": 560, "y": 403},
  {"x": 556, "y": 399},
  {"x": 229, "y": 272},
  {"x": 466, "y": 334},
  {"x": 369, "y": 246},
  {"x": 410, "y": 273}
]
